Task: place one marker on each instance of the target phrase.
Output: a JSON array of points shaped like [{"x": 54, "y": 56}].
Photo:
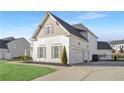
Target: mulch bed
[{"x": 48, "y": 63}]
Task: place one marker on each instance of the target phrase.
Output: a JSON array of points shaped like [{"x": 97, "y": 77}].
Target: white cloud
[{"x": 92, "y": 15}]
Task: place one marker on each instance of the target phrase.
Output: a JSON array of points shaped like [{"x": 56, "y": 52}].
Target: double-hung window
[
  {"x": 56, "y": 51},
  {"x": 49, "y": 29},
  {"x": 41, "y": 51}
]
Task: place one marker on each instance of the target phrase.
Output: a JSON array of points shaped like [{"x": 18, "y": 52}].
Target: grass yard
[{"x": 19, "y": 72}]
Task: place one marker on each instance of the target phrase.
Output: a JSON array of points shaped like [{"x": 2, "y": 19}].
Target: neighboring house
[
  {"x": 53, "y": 34},
  {"x": 104, "y": 50},
  {"x": 4, "y": 51},
  {"x": 117, "y": 45},
  {"x": 11, "y": 47}
]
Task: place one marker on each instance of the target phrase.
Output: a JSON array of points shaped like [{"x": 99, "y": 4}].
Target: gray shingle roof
[
  {"x": 8, "y": 39},
  {"x": 81, "y": 27},
  {"x": 103, "y": 45},
  {"x": 116, "y": 42},
  {"x": 3, "y": 44},
  {"x": 5, "y": 41},
  {"x": 68, "y": 27}
]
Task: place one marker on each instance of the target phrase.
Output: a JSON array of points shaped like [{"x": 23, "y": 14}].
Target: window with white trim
[
  {"x": 41, "y": 52},
  {"x": 49, "y": 29},
  {"x": 56, "y": 51}
]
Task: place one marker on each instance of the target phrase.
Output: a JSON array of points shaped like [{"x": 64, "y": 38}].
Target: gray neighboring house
[{"x": 11, "y": 47}]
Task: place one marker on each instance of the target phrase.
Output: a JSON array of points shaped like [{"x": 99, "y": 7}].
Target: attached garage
[
  {"x": 86, "y": 56},
  {"x": 76, "y": 56}
]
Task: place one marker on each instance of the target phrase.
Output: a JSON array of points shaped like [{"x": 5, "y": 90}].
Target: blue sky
[{"x": 106, "y": 25}]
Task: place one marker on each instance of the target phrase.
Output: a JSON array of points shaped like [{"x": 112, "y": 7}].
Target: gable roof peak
[
  {"x": 67, "y": 27},
  {"x": 47, "y": 12}
]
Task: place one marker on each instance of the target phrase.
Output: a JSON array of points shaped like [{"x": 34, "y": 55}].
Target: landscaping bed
[{"x": 48, "y": 63}]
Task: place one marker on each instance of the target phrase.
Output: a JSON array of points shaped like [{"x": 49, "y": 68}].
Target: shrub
[
  {"x": 64, "y": 59},
  {"x": 26, "y": 57},
  {"x": 115, "y": 58},
  {"x": 23, "y": 58}
]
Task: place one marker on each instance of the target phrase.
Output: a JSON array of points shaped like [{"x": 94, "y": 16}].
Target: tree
[
  {"x": 64, "y": 59},
  {"x": 121, "y": 50},
  {"x": 115, "y": 58}
]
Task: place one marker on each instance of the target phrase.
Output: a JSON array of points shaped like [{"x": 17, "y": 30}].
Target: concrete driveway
[
  {"x": 86, "y": 73},
  {"x": 106, "y": 74}
]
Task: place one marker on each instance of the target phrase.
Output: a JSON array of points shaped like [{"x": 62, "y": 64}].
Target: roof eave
[{"x": 104, "y": 49}]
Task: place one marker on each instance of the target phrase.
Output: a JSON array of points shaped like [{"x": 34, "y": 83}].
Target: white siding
[
  {"x": 107, "y": 53},
  {"x": 48, "y": 43},
  {"x": 92, "y": 45},
  {"x": 75, "y": 47},
  {"x": 76, "y": 50},
  {"x": 76, "y": 56},
  {"x": 117, "y": 47}
]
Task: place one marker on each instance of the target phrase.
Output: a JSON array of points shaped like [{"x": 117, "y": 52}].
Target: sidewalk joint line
[{"x": 87, "y": 75}]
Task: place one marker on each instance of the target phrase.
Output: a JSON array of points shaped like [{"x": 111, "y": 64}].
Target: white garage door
[
  {"x": 86, "y": 56},
  {"x": 77, "y": 56}
]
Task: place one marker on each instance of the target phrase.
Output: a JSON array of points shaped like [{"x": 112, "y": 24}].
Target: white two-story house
[
  {"x": 117, "y": 45},
  {"x": 53, "y": 34}
]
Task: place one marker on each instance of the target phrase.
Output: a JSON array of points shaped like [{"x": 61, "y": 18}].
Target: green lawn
[{"x": 18, "y": 72}]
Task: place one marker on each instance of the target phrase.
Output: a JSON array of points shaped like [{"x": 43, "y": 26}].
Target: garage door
[
  {"x": 77, "y": 56},
  {"x": 86, "y": 56}
]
